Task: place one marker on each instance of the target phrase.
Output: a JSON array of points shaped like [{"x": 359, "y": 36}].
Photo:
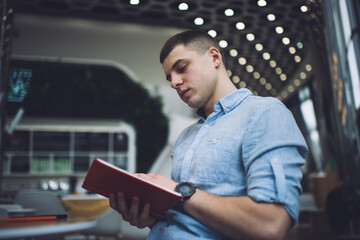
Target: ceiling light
[
  {"x": 242, "y": 61},
  {"x": 279, "y": 30},
  {"x": 266, "y": 56},
  {"x": 297, "y": 82},
  {"x": 233, "y": 52},
  {"x": 223, "y": 44},
  {"x": 268, "y": 86},
  {"x": 273, "y": 91},
  {"x": 259, "y": 47},
  {"x": 134, "y": 2},
  {"x": 249, "y": 68},
  {"x": 229, "y": 12},
  {"x": 302, "y": 75},
  {"x": 256, "y": 75},
  {"x": 229, "y": 72},
  {"x": 291, "y": 88},
  {"x": 236, "y": 79},
  {"x": 283, "y": 77},
  {"x": 286, "y": 40},
  {"x": 261, "y": 3},
  {"x": 272, "y": 63},
  {"x": 308, "y": 67},
  {"x": 271, "y": 17},
  {"x": 284, "y": 94},
  {"x": 292, "y": 50},
  {"x": 304, "y": 8},
  {"x": 250, "y": 37},
  {"x": 183, "y": 6},
  {"x": 240, "y": 26},
  {"x": 299, "y": 45},
  {"x": 297, "y": 59},
  {"x": 262, "y": 81},
  {"x": 212, "y": 33},
  {"x": 242, "y": 84},
  {"x": 278, "y": 70},
  {"x": 199, "y": 21}
]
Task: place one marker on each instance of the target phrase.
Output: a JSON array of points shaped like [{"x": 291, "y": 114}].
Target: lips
[{"x": 183, "y": 93}]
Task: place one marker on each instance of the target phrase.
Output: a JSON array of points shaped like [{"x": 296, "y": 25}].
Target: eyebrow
[{"x": 173, "y": 67}]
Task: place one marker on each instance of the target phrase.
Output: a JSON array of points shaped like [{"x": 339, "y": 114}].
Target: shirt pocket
[{"x": 213, "y": 160}]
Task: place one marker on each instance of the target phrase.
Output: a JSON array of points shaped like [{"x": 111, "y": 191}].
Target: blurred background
[{"x": 81, "y": 79}]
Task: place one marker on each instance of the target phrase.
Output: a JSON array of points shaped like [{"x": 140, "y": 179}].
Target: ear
[{"x": 216, "y": 56}]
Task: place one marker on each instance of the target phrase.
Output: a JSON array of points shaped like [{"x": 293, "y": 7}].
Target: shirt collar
[{"x": 229, "y": 102}]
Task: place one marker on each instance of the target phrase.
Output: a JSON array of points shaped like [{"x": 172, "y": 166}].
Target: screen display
[{"x": 19, "y": 81}]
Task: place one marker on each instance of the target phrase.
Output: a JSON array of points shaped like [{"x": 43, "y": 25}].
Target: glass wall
[
  {"x": 312, "y": 136},
  {"x": 343, "y": 45}
]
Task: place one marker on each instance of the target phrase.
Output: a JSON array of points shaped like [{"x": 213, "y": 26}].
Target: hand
[
  {"x": 132, "y": 215},
  {"x": 158, "y": 179}
]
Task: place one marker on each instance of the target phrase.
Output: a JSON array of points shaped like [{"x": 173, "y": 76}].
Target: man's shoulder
[
  {"x": 260, "y": 104},
  {"x": 262, "y": 99}
]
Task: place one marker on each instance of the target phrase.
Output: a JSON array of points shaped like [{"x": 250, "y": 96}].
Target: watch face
[{"x": 186, "y": 189}]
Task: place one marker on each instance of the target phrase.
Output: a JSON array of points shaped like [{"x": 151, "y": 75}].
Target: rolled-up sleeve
[{"x": 273, "y": 153}]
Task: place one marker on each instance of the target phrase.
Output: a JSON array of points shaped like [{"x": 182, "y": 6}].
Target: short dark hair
[{"x": 197, "y": 40}]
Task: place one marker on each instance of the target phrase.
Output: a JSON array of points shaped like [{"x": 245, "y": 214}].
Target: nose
[{"x": 176, "y": 81}]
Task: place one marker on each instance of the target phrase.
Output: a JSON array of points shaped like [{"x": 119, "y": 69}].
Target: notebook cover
[{"x": 104, "y": 178}]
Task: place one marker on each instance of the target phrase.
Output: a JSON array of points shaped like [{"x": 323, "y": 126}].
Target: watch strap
[{"x": 186, "y": 195}]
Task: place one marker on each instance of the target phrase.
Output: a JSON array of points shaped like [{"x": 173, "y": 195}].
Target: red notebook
[{"x": 104, "y": 178}]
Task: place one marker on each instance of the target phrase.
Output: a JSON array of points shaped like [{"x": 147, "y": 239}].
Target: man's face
[{"x": 192, "y": 75}]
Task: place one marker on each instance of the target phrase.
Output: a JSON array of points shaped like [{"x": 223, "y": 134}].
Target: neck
[{"x": 223, "y": 88}]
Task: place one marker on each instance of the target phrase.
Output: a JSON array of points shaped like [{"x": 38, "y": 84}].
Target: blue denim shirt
[{"x": 249, "y": 146}]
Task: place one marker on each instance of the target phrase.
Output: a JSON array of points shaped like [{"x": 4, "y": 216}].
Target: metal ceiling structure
[{"x": 268, "y": 44}]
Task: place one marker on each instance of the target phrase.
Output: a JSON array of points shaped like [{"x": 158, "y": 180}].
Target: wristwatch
[{"x": 186, "y": 189}]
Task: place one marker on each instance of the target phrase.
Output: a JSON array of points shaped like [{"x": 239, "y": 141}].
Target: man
[{"x": 242, "y": 158}]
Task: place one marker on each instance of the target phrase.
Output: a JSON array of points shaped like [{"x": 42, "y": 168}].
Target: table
[
  {"x": 85, "y": 206},
  {"x": 33, "y": 229}
]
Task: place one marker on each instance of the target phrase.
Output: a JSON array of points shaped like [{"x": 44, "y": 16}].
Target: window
[{"x": 313, "y": 138}]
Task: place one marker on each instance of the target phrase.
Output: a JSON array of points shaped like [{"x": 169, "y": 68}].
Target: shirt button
[
  {"x": 214, "y": 140},
  {"x": 191, "y": 151},
  {"x": 276, "y": 160},
  {"x": 227, "y": 109},
  {"x": 206, "y": 126}
]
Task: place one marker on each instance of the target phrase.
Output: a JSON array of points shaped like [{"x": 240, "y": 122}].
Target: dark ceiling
[{"x": 269, "y": 65}]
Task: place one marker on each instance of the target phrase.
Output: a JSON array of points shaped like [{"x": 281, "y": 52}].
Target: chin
[
  {"x": 191, "y": 102},
  {"x": 192, "y": 105}
]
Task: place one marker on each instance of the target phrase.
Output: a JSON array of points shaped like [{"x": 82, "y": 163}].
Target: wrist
[{"x": 187, "y": 190}]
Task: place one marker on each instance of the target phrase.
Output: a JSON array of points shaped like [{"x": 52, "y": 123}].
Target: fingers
[
  {"x": 132, "y": 214},
  {"x": 118, "y": 203},
  {"x": 112, "y": 201},
  {"x": 158, "y": 179},
  {"x": 143, "y": 176},
  {"x": 145, "y": 216},
  {"x": 121, "y": 204}
]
